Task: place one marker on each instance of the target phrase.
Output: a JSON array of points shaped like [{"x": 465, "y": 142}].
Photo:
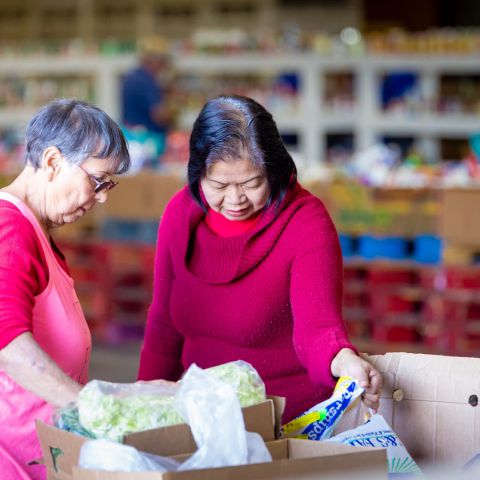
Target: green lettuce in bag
[{"x": 109, "y": 410}]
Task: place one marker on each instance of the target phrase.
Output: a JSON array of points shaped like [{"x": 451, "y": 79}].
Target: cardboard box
[
  {"x": 61, "y": 448},
  {"x": 142, "y": 197},
  {"x": 459, "y": 219},
  {"x": 432, "y": 404},
  {"x": 292, "y": 459},
  {"x": 427, "y": 212},
  {"x": 358, "y": 209}
]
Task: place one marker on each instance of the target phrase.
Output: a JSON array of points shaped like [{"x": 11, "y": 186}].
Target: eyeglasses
[{"x": 100, "y": 185}]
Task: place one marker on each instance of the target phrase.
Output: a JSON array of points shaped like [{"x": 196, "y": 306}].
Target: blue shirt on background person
[
  {"x": 141, "y": 94},
  {"x": 146, "y": 116}
]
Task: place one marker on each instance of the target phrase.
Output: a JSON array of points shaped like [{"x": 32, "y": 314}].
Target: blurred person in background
[
  {"x": 248, "y": 266},
  {"x": 146, "y": 115},
  {"x": 72, "y": 151}
]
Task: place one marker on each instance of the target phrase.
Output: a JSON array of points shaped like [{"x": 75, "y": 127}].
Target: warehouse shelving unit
[
  {"x": 88, "y": 20},
  {"x": 308, "y": 115}
]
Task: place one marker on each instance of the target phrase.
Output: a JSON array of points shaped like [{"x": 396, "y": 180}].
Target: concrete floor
[{"x": 115, "y": 364}]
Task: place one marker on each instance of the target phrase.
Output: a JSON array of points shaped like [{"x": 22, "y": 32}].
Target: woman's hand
[{"x": 348, "y": 363}]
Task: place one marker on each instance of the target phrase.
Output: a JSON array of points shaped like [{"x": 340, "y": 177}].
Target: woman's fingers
[{"x": 371, "y": 400}]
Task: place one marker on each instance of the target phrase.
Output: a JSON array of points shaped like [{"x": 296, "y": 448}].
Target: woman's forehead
[
  {"x": 106, "y": 165},
  {"x": 233, "y": 169}
]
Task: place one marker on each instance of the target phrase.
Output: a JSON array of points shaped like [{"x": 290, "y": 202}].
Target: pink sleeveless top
[{"x": 59, "y": 327}]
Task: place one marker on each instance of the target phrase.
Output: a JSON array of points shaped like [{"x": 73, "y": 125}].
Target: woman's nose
[{"x": 236, "y": 195}]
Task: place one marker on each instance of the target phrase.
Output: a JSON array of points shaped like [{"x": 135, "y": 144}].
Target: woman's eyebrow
[
  {"x": 250, "y": 179},
  {"x": 216, "y": 181},
  {"x": 241, "y": 183}
]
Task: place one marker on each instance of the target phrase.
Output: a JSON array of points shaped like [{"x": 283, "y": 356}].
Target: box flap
[
  {"x": 178, "y": 439},
  {"x": 429, "y": 377},
  {"x": 431, "y": 402},
  {"x": 278, "y": 409},
  {"x": 307, "y": 460},
  {"x": 299, "y": 448},
  {"x": 60, "y": 449}
]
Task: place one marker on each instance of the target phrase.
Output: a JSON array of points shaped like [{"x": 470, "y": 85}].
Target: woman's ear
[{"x": 52, "y": 161}]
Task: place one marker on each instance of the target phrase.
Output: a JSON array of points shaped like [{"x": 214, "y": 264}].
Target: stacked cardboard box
[
  {"x": 430, "y": 401},
  {"x": 291, "y": 458}
]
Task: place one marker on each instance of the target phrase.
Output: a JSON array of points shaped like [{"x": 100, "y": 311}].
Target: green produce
[
  {"x": 108, "y": 410},
  {"x": 244, "y": 379},
  {"x": 111, "y": 411}
]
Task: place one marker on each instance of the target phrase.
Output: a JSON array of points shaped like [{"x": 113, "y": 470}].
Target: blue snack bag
[{"x": 318, "y": 422}]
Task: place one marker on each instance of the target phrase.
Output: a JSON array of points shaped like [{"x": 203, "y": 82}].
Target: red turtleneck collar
[{"x": 223, "y": 227}]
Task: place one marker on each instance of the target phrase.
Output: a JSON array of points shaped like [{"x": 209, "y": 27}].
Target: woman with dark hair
[
  {"x": 248, "y": 266},
  {"x": 72, "y": 151}
]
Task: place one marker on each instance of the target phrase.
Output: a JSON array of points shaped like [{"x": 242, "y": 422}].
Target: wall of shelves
[
  {"x": 93, "y": 20},
  {"x": 308, "y": 114}
]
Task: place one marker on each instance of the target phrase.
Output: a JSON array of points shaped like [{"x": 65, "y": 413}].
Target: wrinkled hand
[{"x": 348, "y": 363}]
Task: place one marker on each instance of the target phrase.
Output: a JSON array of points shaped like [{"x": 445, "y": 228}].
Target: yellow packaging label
[{"x": 303, "y": 421}]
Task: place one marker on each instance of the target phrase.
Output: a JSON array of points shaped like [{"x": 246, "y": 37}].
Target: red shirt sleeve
[
  {"x": 316, "y": 294},
  {"x": 23, "y": 272}
]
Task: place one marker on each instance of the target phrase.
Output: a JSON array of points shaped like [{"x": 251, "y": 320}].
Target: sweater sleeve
[
  {"x": 162, "y": 345},
  {"x": 23, "y": 274},
  {"x": 316, "y": 291}
]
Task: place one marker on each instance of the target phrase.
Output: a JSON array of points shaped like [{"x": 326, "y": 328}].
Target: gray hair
[{"x": 79, "y": 130}]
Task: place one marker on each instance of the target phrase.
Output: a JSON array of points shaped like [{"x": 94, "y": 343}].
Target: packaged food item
[
  {"x": 377, "y": 433},
  {"x": 318, "y": 422}
]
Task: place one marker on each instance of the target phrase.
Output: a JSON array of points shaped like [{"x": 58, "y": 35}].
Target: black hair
[
  {"x": 232, "y": 127},
  {"x": 79, "y": 130}
]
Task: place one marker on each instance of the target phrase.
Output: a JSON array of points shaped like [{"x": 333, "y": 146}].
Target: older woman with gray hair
[{"x": 72, "y": 151}]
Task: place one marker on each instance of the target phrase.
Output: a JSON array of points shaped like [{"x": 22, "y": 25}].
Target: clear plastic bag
[
  {"x": 116, "y": 457},
  {"x": 67, "y": 418},
  {"x": 212, "y": 409},
  {"x": 110, "y": 410},
  {"x": 244, "y": 379}
]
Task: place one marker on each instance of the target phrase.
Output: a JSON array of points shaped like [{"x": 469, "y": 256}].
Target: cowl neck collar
[{"x": 217, "y": 260}]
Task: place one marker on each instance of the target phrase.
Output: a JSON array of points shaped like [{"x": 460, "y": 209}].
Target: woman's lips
[{"x": 237, "y": 213}]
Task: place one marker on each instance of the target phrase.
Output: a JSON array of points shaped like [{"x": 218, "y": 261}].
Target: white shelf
[
  {"x": 15, "y": 117},
  {"x": 54, "y": 66},
  {"x": 448, "y": 126},
  {"x": 313, "y": 121}
]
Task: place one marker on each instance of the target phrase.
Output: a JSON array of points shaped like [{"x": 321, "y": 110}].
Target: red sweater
[
  {"x": 224, "y": 227},
  {"x": 271, "y": 296},
  {"x": 23, "y": 272}
]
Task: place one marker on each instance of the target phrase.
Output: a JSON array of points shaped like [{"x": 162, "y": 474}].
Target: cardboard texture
[
  {"x": 142, "y": 197},
  {"x": 359, "y": 209},
  {"x": 292, "y": 459},
  {"x": 459, "y": 220},
  {"x": 61, "y": 449},
  {"x": 431, "y": 403}
]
